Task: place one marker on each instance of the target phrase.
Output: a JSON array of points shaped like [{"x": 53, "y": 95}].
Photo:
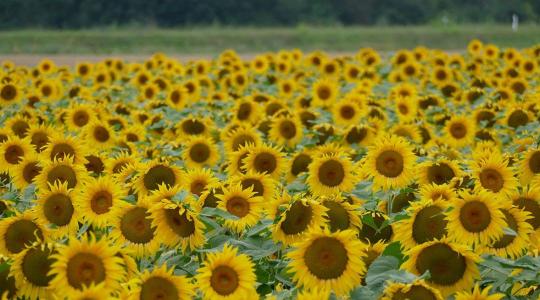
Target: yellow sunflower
[
  {"x": 60, "y": 147},
  {"x": 86, "y": 261},
  {"x": 153, "y": 174},
  {"x": 99, "y": 134},
  {"x": 346, "y": 112},
  {"x": 265, "y": 159},
  {"x": 340, "y": 214},
  {"x": 459, "y": 131},
  {"x": 63, "y": 171},
  {"x": 436, "y": 192},
  {"x": 98, "y": 199},
  {"x": 452, "y": 267},
  {"x": 476, "y": 219},
  {"x": 240, "y": 137},
  {"x": 56, "y": 208},
  {"x": 417, "y": 290},
  {"x": 442, "y": 171},
  {"x": 78, "y": 116},
  {"x": 328, "y": 261},
  {"x": 19, "y": 231},
  {"x": 493, "y": 174},
  {"x": 529, "y": 165},
  {"x": 286, "y": 130},
  {"x": 26, "y": 171},
  {"x": 30, "y": 269},
  {"x": 478, "y": 294},
  {"x": 299, "y": 163},
  {"x": 227, "y": 275},
  {"x": 324, "y": 92},
  {"x": 263, "y": 185},
  {"x": 200, "y": 151},
  {"x": 242, "y": 203},
  {"x": 390, "y": 161},
  {"x": 331, "y": 174},
  {"x": 10, "y": 93},
  {"x": 13, "y": 151},
  {"x": 161, "y": 283}
]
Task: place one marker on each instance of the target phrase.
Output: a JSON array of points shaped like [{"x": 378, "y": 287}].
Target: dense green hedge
[{"x": 168, "y": 13}]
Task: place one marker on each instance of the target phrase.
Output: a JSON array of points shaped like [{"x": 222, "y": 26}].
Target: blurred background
[{"x": 206, "y": 27}]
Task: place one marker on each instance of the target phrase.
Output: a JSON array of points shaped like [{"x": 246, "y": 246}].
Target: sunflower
[
  {"x": 200, "y": 151},
  {"x": 443, "y": 171},
  {"x": 426, "y": 223},
  {"x": 227, "y": 275},
  {"x": 493, "y": 174},
  {"x": 98, "y": 199},
  {"x": 476, "y": 219},
  {"x": 390, "y": 161},
  {"x": 359, "y": 135},
  {"x": 10, "y": 93},
  {"x": 530, "y": 165},
  {"x": 246, "y": 111},
  {"x": 115, "y": 164},
  {"x": 99, "y": 134},
  {"x": 132, "y": 228},
  {"x": 86, "y": 261},
  {"x": 240, "y": 137},
  {"x": 459, "y": 131},
  {"x": 478, "y": 294},
  {"x": 296, "y": 218},
  {"x": 263, "y": 185},
  {"x": 452, "y": 266},
  {"x": 26, "y": 171},
  {"x": 153, "y": 174},
  {"x": 313, "y": 294},
  {"x": 346, "y": 112},
  {"x": 30, "y": 269},
  {"x": 19, "y": 125},
  {"x": 39, "y": 136},
  {"x": 328, "y": 261},
  {"x": 415, "y": 291},
  {"x": 529, "y": 201},
  {"x": 55, "y": 208},
  {"x": 13, "y": 151},
  {"x": 192, "y": 126},
  {"x": 78, "y": 116},
  {"x": 380, "y": 232},
  {"x": 178, "y": 224},
  {"x": 331, "y": 174},
  {"x": 513, "y": 245},
  {"x": 286, "y": 130},
  {"x": 436, "y": 192},
  {"x": 299, "y": 163},
  {"x": 242, "y": 203},
  {"x": 411, "y": 132},
  {"x": 178, "y": 97},
  {"x": 340, "y": 214},
  {"x": 19, "y": 231},
  {"x": 197, "y": 181},
  {"x": 265, "y": 159},
  {"x": 324, "y": 92},
  {"x": 406, "y": 109},
  {"x": 60, "y": 147},
  {"x": 161, "y": 283}
]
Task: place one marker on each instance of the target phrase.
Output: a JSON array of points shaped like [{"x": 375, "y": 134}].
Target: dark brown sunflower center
[
  {"x": 445, "y": 265},
  {"x": 297, "y": 218},
  {"x": 58, "y": 209},
  {"x": 287, "y": 129},
  {"x": 429, "y": 224},
  {"x": 347, "y": 112},
  {"x": 20, "y": 128},
  {"x": 224, "y": 280},
  {"x": 7, "y": 284},
  {"x": 199, "y": 152},
  {"x": 531, "y": 206},
  {"x": 403, "y": 109},
  {"x": 416, "y": 292},
  {"x": 62, "y": 173},
  {"x": 21, "y": 233},
  {"x": 35, "y": 266},
  {"x": 300, "y": 164},
  {"x": 198, "y": 186},
  {"x": 238, "y": 206},
  {"x": 158, "y": 175},
  {"x": 30, "y": 171},
  {"x": 94, "y": 164},
  {"x": 13, "y": 154},
  {"x": 507, "y": 239},
  {"x": 491, "y": 180},
  {"x": 534, "y": 162},
  {"x": 242, "y": 140},
  {"x": 440, "y": 174},
  {"x": 193, "y": 127},
  {"x": 244, "y": 111},
  {"x": 331, "y": 173},
  {"x": 265, "y": 163},
  {"x": 273, "y": 108},
  {"x": 518, "y": 118},
  {"x": 101, "y": 134},
  {"x": 326, "y": 258},
  {"x": 324, "y": 93},
  {"x": 337, "y": 216},
  {"x": 256, "y": 184},
  {"x": 179, "y": 223},
  {"x": 389, "y": 163},
  {"x": 8, "y": 92},
  {"x": 39, "y": 140},
  {"x": 211, "y": 200},
  {"x": 175, "y": 97},
  {"x": 61, "y": 150},
  {"x": 136, "y": 226},
  {"x": 81, "y": 118},
  {"x": 458, "y": 130},
  {"x": 475, "y": 216},
  {"x": 84, "y": 269},
  {"x": 101, "y": 202},
  {"x": 356, "y": 135},
  {"x": 158, "y": 288}
]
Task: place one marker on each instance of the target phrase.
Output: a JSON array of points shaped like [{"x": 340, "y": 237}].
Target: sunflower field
[{"x": 288, "y": 175}]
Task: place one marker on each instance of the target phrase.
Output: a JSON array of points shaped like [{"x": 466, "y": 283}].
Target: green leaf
[
  {"x": 217, "y": 212},
  {"x": 394, "y": 250}
]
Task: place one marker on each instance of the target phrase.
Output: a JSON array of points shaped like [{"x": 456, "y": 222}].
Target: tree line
[{"x": 175, "y": 13}]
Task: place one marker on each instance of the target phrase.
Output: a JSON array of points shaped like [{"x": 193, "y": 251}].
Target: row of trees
[{"x": 170, "y": 13}]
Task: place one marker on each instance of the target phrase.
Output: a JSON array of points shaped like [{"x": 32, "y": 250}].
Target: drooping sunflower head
[
  {"x": 452, "y": 266},
  {"x": 299, "y": 164},
  {"x": 39, "y": 136},
  {"x": 390, "y": 161},
  {"x": 331, "y": 174},
  {"x": 328, "y": 261},
  {"x": 227, "y": 275},
  {"x": 439, "y": 172},
  {"x": 154, "y": 174},
  {"x": 192, "y": 126},
  {"x": 296, "y": 218},
  {"x": 19, "y": 231},
  {"x": 31, "y": 270}
]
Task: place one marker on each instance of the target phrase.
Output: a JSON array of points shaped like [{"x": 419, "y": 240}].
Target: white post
[{"x": 515, "y": 22}]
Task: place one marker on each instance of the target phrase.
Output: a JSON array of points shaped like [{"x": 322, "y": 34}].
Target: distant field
[{"x": 209, "y": 41}]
